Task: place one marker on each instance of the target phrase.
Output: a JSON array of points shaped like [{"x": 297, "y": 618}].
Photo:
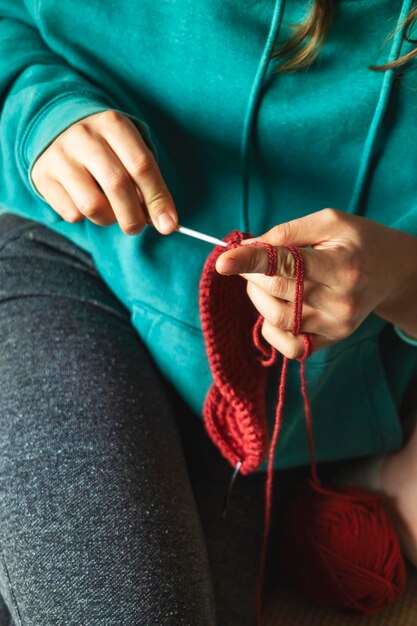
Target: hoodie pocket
[
  {"x": 178, "y": 350},
  {"x": 353, "y": 409}
]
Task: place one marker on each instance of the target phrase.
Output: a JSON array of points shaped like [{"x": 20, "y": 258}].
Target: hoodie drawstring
[
  {"x": 276, "y": 21},
  {"x": 380, "y": 108}
]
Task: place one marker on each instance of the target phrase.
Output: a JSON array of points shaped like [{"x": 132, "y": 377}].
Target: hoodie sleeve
[{"x": 40, "y": 96}]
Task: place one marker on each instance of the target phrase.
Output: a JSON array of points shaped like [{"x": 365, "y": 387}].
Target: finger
[
  {"x": 277, "y": 286},
  {"x": 316, "y": 295},
  {"x": 55, "y": 195},
  {"x": 303, "y": 231},
  {"x": 85, "y": 194},
  {"x": 319, "y": 265},
  {"x": 139, "y": 161},
  {"x": 333, "y": 321},
  {"x": 95, "y": 154},
  {"x": 291, "y": 346},
  {"x": 281, "y": 314}
]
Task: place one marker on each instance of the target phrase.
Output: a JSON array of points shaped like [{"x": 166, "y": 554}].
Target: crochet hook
[
  {"x": 198, "y": 235},
  {"x": 195, "y": 233}
]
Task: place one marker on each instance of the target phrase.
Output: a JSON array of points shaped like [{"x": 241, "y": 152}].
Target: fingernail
[
  {"x": 248, "y": 240},
  {"x": 230, "y": 266},
  {"x": 165, "y": 222}
]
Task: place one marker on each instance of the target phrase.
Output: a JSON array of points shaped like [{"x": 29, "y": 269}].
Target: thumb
[{"x": 303, "y": 231}]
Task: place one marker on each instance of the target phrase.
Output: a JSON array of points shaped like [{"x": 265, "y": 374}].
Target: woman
[{"x": 111, "y": 489}]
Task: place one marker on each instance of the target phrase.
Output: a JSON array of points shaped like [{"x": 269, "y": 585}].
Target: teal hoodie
[{"x": 196, "y": 78}]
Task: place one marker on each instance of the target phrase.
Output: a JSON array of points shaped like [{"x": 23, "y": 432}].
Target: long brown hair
[{"x": 311, "y": 34}]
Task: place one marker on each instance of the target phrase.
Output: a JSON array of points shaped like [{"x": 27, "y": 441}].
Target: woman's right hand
[{"x": 101, "y": 168}]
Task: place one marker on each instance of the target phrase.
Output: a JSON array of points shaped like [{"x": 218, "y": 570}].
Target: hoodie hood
[{"x": 255, "y": 99}]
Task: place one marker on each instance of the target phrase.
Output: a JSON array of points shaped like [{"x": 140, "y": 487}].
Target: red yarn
[
  {"x": 345, "y": 537},
  {"x": 234, "y": 408},
  {"x": 348, "y": 548}
]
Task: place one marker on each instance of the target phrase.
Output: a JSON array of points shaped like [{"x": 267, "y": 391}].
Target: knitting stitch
[{"x": 234, "y": 408}]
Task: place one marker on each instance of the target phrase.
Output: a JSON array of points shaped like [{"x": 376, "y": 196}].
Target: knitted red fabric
[
  {"x": 362, "y": 576},
  {"x": 234, "y": 409}
]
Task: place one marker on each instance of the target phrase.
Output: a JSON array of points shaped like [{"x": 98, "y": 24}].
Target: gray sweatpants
[{"x": 110, "y": 489}]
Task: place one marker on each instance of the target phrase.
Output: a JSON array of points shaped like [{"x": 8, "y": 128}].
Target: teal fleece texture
[{"x": 194, "y": 77}]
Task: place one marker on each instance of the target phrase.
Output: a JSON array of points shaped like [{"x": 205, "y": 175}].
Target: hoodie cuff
[
  {"x": 58, "y": 115},
  {"x": 411, "y": 340}
]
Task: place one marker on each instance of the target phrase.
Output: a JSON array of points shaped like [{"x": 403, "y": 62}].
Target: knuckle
[
  {"x": 52, "y": 156},
  {"x": 281, "y": 232},
  {"x": 158, "y": 203},
  {"x": 142, "y": 164},
  {"x": 112, "y": 117},
  {"x": 90, "y": 208},
  {"x": 331, "y": 215},
  {"x": 115, "y": 179},
  {"x": 132, "y": 228},
  {"x": 73, "y": 217},
  {"x": 78, "y": 133},
  {"x": 279, "y": 286}
]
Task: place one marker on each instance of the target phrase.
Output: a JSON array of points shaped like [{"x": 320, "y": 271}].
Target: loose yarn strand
[
  {"x": 309, "y": 422},
  {"x": 298, "y": 310},
  {"x": 268, "y": 491},
  {"x": 269, "y": 352}
]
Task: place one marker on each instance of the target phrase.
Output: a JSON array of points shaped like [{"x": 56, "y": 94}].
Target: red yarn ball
[{"x": 341, "y": 549}]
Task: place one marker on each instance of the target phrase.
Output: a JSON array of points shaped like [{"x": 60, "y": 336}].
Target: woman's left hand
[{"x": 355, "y": 266}]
